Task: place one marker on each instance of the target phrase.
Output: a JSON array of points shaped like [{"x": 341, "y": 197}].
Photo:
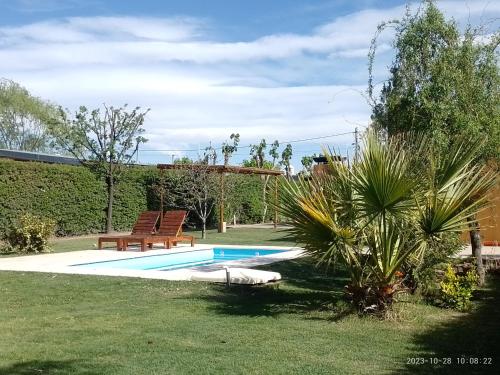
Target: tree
[
  {"x": 24, "y": 119},
  {"x": 229, "y": 149},
  {"x": 210, "y": 155},
  {"x": 103, "y": 142},
  {"x": 200, "y": 192},
  {"x": 273, "y": 152},
  {"x": 183, "y": 160},
  {"x": 377, "y": 214},
  {"x": 307, "y": 163},
  {"x": 168, "y": 188},
  {"x": 258, "y": 153},
  {"x": 286, "y": 156},
  {"x": 442, "y": 83}
]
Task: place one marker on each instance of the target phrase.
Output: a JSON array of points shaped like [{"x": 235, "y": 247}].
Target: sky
[{"x": 283, "y": 70}]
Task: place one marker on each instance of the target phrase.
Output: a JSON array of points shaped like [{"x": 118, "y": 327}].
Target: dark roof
[
  {"x": 324, "y": 160},
  {"x": 34, "y": 156},
  {"x": 223, "y": 169}
]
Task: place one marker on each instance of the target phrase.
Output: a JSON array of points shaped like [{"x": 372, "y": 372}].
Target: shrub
[
  {"x": 375, "y": 215},
  {"x": 30, "y": 234},
  {"x": 76, "y": 199},
  {"x": 70, "y": 195},
  {"x": 423, "y": 276},
  {"x": 456, "y": 290}
]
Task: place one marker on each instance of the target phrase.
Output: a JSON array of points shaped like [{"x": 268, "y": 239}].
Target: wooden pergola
[{"x": 223, "y": 170}]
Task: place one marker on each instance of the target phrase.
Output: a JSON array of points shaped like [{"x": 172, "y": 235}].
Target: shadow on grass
[
  {"x": 305, "y": 289},
  {"x": 465, "y": 338},
  {"x": 48, "y": 367}
]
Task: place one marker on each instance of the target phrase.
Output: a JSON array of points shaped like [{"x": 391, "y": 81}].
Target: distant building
[{"x": 321, "y": 165}]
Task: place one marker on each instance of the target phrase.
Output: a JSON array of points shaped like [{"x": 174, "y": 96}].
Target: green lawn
[{"x": 65, "y": 324}]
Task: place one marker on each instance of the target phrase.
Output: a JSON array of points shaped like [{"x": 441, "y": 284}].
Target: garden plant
[{"x": 380, "y": 214}]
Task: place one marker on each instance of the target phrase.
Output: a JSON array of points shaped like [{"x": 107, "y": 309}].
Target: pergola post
[
  {"x": 161, "y": 196},
  {"x": 221, "y": 207},
  {"x": 275, "y": 202}
]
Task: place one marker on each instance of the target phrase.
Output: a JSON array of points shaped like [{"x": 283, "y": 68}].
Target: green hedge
[
  {"x": 76, "y": 199},
  {"x": 68, "y": 194}
]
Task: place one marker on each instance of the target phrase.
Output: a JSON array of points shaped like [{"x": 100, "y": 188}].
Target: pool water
[{"x": 167, "y": 262}]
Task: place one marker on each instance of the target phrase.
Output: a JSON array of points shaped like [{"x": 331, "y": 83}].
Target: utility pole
[{"x": 356, "y": 144}]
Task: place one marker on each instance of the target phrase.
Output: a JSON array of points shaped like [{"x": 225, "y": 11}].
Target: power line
[{"x": 248, "y": 146}]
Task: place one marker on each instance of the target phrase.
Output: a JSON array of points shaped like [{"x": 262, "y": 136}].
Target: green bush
[
  {"x": 70, "y": 195},
  {"x": 422, "y": 276},
  {"x": 30, "y": 234},
  {"x": 76, "y": 199},
  {"x": 244, "y": 199},
  {"x": 132, "y": 196},
  {"x": 456, "y": 290}
]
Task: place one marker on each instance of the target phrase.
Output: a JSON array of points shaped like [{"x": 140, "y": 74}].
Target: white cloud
[
  {"x": 199, "y": 89},
  {"x": 149, "y": 28},
  {"x": 83, "y": 30},
  {"x": 111, "y": 39}
]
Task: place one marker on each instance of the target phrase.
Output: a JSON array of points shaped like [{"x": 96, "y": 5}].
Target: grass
[
  {"x": 73, "y": 324},
  {"x": 60, "y": 324}
]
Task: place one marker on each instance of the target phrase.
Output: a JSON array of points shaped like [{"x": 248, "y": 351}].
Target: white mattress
[{"x": 238, "y": 276}]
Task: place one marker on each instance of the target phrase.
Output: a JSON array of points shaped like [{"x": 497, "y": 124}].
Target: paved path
[{"x": 486, "y": 251}]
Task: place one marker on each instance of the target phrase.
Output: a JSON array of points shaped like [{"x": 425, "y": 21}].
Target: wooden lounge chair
[
  {"x": 145, "y": 225},
  {"x": 169, "y": 233}
]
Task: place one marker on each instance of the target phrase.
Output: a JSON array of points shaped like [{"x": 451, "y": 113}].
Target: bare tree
[
  {"x": 201, "y": 192},
  {"x": 104, "y": 143},
  {"x": 258, "y": 154}
]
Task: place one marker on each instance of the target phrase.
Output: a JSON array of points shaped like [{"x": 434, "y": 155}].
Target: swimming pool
[{"x": 187, "y": 259}]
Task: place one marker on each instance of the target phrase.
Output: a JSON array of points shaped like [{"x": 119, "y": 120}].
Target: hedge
[{"x": 76, "y": 199}]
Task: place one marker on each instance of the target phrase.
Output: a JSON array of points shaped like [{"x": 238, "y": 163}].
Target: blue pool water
[{"x": 166, "y": 262}]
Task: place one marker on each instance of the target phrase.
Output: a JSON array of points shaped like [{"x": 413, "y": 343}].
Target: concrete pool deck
[{"x": 62, "y": 262}]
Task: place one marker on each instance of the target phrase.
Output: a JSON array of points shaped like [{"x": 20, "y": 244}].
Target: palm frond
[
  {"x": 381, "y": 179},
  {"x": 449, "y": 208}
]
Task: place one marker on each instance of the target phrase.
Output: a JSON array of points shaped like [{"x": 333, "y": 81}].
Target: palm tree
[{"x": 382, "y": 211}]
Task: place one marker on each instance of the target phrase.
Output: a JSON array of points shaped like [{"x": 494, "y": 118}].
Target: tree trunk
[
  {"x": 109, "y": 219},
  {"x": 264, "y": 211},
  {"x": 475, "y": 243},
  {"x": 203, "y": 229}
]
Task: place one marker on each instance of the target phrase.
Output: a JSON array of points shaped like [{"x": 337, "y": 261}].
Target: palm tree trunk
[{"x": 475, "y": 242}]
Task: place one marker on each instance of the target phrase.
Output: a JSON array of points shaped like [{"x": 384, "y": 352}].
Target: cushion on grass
[{"x": 244, "y": 276}]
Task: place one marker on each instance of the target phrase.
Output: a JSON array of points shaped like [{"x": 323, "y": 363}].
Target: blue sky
[{"x": 281, "y": 69}]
